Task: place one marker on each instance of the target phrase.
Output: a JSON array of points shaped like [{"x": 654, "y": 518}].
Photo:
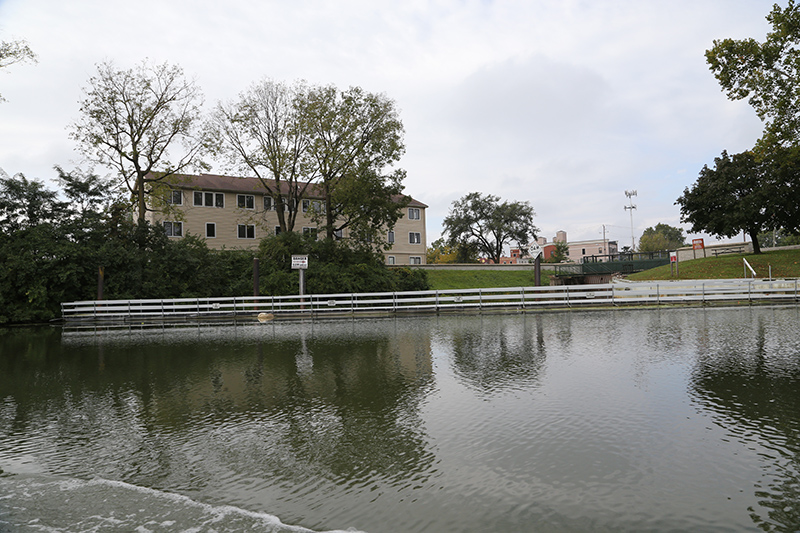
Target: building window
[
  {"x": 268, "y": 204},
  {"x": 277, "y": 230},
  {"x": 339, "y": 233},
  {"x": 414, "y": 238},
  {"x": 247, "y": 231},
  {"x": 583, "y": 251},
  {"x": 413, "y": 213},
  {"x": 316, "y": 205},
  {"x": 289, "y": 206},
  {"x": 414, "y": 260},
  {"x": 209, "y": 199},
  {"x": 390, "y": 260},
  {"x": 211, "y": 230},
  {"x": 173, "y": 229},
  {"x": 175, "y": 198},
  {"x": 390, "y": 238},
  {"x": 245, "y": 201},
  {"x": 310, "y": 231}
]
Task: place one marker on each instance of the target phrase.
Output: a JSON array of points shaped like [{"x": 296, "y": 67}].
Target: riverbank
[
  {"x": 453, "y": 301},
  {"x": 776, "y": 263}
]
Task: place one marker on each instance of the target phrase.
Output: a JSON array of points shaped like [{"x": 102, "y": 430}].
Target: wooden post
[
  {"x": 100, "y": 276},
  {"x": 255, "y": 276}
]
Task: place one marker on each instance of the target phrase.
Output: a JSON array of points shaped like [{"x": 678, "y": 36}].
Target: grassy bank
[
  {"x": 474, "y": 279},
  {"x": 784, "y": 263}
]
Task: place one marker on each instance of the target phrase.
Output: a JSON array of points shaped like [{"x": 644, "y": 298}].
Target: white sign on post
[{"x": 299, "y": 261}]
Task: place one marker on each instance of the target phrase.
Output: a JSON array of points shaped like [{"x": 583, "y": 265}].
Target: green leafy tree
[
  {"x": 487, "y": 224},
  {"x": 261, "y": 133},
  {"x": 766, "y": 73},
  {"x": 440, "y": 251},
  {"x": 27, "y": 203},
  {"x": 12, "y": 52},
  {"x": 133, "y": 120},
  {"x": 661, "y": 237},
  {"x": 355, "y": 139},
  {"x": 560, "y": 252},
  {"x": 732, "y": 197}
]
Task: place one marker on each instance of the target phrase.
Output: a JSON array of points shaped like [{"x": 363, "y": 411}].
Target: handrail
[
  {"x": 747, "y": 265},
  {"x": 697, "y": 292}
]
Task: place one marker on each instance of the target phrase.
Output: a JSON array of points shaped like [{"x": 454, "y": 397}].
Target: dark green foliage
[
  {"x": 481, "y": 222},
  {"x": 52, "y": 254},
  {"x": 765, "y": 73},
  {"x": 661, "y": 237},
  {"x": 745, "y": 192},
  {"x": 333, "y": 267},
  {"x": 560, "y": 252}
]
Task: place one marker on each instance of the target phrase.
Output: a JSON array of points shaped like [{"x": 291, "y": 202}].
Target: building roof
[{"x": 216, "y": 182}]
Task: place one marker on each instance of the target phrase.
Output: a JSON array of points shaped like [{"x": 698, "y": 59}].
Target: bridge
[{"x": 600, "y": 268}]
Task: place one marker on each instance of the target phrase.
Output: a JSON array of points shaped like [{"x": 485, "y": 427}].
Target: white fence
[{"x": 731, "y": 292}]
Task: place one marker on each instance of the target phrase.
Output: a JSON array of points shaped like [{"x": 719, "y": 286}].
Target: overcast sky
[{"x": 565, "y": 104}]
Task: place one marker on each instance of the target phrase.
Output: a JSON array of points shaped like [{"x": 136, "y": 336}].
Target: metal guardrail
[
  {"x": 624, "y": 266},
  {"x": 440, "y": 301}
]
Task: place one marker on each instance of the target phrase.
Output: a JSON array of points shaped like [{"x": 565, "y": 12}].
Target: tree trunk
[
  {"x": 328, "y": 213},
  {"x": 754, "y": 238},
  {"x": 140, "y": 200}
]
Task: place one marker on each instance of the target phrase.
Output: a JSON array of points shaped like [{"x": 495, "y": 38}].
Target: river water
[{"x": 614, "y": 420}]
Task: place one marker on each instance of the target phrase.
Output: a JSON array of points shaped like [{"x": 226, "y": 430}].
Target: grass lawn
[
  {"x": 483, "y": 279},
  {"x": 784, "y": 263}
]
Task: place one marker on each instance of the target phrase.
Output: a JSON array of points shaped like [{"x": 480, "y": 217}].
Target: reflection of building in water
[
  {"x": 315, "y": 366},
  {"x": 501, "y": 353}
]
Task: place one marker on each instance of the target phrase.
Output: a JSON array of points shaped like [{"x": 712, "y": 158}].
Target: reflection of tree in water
[
  {"x": 128, "y": 410},
  {"x": 356, "y": 414},
  {"x": 500, "y": 354},
  {"x": 752, "y": 387}
]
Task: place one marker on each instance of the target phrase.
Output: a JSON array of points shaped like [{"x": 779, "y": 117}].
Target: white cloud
[{"x": 562, "y": 103}]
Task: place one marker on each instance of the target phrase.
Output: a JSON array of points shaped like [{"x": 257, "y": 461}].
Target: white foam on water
[{"x": 42, "y": 503}]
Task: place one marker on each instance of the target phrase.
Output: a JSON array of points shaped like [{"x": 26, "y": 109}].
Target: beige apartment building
[{"x": 234, "y": 213}]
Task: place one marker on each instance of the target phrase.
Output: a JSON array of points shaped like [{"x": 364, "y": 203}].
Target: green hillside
[
  {"x": 784, "y": 264},
  {"x": 484, "y": 279}
]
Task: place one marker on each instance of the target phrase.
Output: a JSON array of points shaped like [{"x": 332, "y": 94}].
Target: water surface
[{"x": 618, "y": 420}]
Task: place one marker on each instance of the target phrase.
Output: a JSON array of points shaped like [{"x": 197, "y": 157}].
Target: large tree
[
  {"x": 12, "y": 52},
  {"x": 767, "y": 73},
  {"x": 661, "y": 237},
  {"x": 261, "y": 133},
  {"x": 485, "y": 222},
  {"x": 734, "y": 196},
  {"x": 26, "y": 203},
  {"x": 355, "y": 139},
  {"x": 142, "y": 122}
]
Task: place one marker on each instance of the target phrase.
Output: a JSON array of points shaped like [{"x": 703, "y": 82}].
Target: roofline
[{"x": 189, "y": 182}]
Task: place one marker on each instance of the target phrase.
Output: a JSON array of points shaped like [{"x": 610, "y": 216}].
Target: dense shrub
[{"x": 53, "y": 254}]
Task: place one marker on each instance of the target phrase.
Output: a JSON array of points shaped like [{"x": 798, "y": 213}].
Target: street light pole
[{"x": 631, "y": 207}]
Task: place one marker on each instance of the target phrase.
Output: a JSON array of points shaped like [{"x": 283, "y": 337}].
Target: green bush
[{"x": 53, "y": 255}]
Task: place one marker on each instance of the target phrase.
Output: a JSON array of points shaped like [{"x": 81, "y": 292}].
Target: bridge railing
[{"x": 437, "y": 301}]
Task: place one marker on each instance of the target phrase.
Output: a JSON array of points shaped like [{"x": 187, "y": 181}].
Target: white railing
[{"x": 459, "y": 300}]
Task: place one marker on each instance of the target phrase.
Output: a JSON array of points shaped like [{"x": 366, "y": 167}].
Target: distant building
[
  {"x": 599, "y": 248},
  {"x": 234, "y": 212},
  {"x": 578, "y": 251}
]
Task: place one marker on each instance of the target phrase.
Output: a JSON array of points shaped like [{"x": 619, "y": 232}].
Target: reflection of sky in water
[{"x": 673, "y": 419}]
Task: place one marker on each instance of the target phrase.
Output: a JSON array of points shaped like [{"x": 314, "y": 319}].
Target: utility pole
[
  {"x": 631, "y": 207},
  {"x": 605, "y": 242}
]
